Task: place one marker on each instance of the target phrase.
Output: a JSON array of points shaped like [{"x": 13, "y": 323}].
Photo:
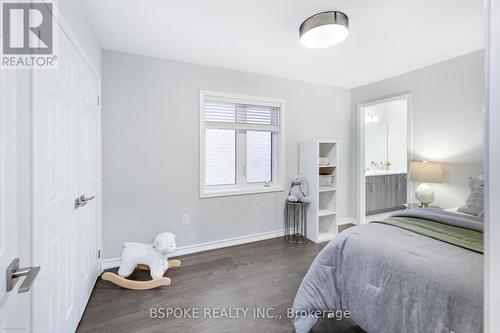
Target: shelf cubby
[{"x": 322, "y": 179}]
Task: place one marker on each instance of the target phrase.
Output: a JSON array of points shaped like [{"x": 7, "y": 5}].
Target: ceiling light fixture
[{"x": 324, "y": 29}]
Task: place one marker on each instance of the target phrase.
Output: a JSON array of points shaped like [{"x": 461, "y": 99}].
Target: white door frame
[
  {"x": 492, "y": 149},
  {"x": 361, "y": 146}
]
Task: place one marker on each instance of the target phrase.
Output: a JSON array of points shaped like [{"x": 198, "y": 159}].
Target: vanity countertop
[{"x": 369, "y": 173}]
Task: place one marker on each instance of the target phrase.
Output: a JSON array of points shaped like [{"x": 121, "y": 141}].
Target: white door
[
  {"x": 55, "y": 188},
  {"x": 14, "y": 306},
  {"x": 88, "y": 143},
  {"x": 64, "y": 236}
]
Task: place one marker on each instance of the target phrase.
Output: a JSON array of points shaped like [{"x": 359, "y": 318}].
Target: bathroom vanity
[{"x": 385, "y": 191}]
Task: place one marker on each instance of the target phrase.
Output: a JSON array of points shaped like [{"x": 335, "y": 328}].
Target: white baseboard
[
  {"x": 183, "y": 250},
  {"x": 347, "y": 220},
  {"x": 110, "y": 263}
]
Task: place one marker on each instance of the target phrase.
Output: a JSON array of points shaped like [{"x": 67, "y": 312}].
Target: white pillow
[{"x": 474, "y": 205}]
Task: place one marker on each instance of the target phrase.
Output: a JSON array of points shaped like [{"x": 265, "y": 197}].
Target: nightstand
[{"x": 415, "y": 205}]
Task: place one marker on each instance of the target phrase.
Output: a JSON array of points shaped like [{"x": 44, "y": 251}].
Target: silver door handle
[
  {"x": 79, "y": 203},
  {"x": 13, "y": 272},
  {"x": 84, "y": 199}
]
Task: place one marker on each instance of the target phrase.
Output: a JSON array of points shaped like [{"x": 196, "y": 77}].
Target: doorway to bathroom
[{"x": 384, "y": 148}]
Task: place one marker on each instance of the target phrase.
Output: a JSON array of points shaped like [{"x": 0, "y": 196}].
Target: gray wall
[
  {"x": 446, "y": 120},
  {"x": 150, "y": 149}
]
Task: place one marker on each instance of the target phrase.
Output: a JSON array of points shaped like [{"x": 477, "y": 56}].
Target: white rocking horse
[{"x": 152, "y": 257}]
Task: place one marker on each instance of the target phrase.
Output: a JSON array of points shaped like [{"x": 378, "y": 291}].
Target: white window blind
[
  {"x": 241, "y": 144},
  {"x": 227, "y": 115}
]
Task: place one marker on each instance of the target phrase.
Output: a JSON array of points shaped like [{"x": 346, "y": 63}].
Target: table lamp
[{"x": 425, "y": 172}]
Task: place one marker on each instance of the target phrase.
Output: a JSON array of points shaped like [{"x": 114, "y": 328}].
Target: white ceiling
[{"x": 387, "y": 37}]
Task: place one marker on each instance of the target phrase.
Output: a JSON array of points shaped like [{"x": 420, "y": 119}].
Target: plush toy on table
[
  {"x": 152, "y": 257},
  {"x": 299, "y": 191}
]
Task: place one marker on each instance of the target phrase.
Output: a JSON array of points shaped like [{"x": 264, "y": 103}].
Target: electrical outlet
[{"x": 185, "y": 219}]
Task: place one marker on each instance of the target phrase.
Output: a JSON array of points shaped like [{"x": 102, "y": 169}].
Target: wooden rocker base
[
  {"x": 140, "y": 285},
  {"x": 171, "y": 264},
  {"x": 135, "y": 285}
]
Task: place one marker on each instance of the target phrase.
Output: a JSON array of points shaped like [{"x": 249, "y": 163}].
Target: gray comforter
[{"x": 394, "y": 280}]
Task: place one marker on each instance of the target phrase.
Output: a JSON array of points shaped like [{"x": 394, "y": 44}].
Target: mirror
[{"x": 386, "y": 136}]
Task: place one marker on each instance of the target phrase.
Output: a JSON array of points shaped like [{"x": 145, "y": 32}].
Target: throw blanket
[
  {"x": 466, "y": 238},
  {"x": 392, "y": 279},
  {"x": 455, "y": 219}
]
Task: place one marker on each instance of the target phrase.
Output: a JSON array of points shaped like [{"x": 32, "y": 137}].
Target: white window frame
[{"x": 278, "y": 149}]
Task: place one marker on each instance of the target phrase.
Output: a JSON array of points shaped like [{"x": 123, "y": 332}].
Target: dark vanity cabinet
[{"x": 385, "y": 193}]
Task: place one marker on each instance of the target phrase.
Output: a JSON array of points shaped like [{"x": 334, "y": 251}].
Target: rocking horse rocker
[{"x": 152, "y": 257}]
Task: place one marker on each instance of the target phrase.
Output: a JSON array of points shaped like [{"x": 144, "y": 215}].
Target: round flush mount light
[{"x": 324, "y": 30}]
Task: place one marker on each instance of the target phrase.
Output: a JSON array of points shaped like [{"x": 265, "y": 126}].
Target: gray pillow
[{"x": 474, "y": 205}]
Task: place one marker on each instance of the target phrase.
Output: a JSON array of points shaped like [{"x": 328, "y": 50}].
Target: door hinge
[
  {"x": 99, "y": 254},
  {"x": 98, "y": 100}
]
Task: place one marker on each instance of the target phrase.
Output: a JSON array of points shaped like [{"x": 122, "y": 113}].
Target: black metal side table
[{"x": 296, "y": 222}]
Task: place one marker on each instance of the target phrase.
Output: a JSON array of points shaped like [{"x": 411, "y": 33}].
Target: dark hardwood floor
[{"x": 252, "y": 276}]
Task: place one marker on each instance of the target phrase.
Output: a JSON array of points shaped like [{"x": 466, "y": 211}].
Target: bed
[{"x": 421, "y": 270}]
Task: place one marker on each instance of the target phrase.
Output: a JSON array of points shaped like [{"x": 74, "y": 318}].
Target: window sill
[{"x": 226, "y": 193}]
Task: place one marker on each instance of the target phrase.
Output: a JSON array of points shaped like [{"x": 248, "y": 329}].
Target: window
[
  {"x": 220, "y": 160},
  {"x": 241, "y": 144},
  {"x": 259, "y": 157}
]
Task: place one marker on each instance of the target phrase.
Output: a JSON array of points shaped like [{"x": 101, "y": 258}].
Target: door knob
[
  {"x": 84, "y": 199},
  {"x": 13, "y": 272},
  {"x": 79, "y": 203}
]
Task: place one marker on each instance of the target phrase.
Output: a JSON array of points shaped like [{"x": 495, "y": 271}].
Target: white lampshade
[
  {"x": 324, "y": 30},
  {"x": 426, "y": 172}
]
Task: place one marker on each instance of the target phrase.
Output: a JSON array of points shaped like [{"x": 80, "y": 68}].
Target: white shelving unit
[{"x": 322, "y": 213}]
